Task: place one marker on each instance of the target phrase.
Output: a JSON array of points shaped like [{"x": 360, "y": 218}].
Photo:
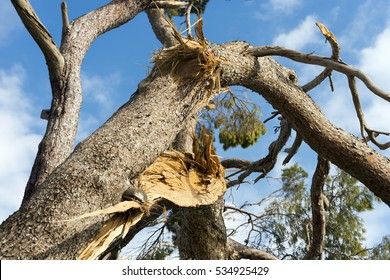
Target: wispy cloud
[
  {"x": 285, "y": 6},
  {"x": 375, "y": 59},
  {"x": 18, "y": 142},
  {"x": 100, "y": 89},
  {"x": 100, "y": 100},
  {"x": 305, "y": 33}
]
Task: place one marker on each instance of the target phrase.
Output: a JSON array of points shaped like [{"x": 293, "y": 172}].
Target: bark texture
[
  {"x": 95, "y": 175},
  {"x": 202, "y": 234}
]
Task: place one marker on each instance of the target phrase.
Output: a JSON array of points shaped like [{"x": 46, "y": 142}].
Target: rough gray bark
[
  {"x": 95, "y": 175},
  {"x": 202, "y": 234}
]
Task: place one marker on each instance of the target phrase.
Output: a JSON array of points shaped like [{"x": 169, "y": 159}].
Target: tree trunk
[{"x": 95, "y": 175}]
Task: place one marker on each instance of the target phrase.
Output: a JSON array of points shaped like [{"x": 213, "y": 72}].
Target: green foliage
[
  {"x": 287, "y": 225},
  {"x": 238, "y": 121},
  {"x": 381, "y": 251}
]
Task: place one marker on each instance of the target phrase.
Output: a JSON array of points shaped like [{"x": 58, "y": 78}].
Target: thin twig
[
  {"x": 188, "y": 19},
  {"x": 65, "y": 19}
]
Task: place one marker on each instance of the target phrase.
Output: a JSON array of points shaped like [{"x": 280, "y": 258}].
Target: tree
[{"x": 188, "y": 73}]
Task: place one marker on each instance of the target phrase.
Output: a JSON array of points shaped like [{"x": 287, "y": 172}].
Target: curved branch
[
  {"x": 372, "y": 134},
  {"x": 244, "y": 252},
  {"x": 42, "y": 37},
  {"x": 319, "y": 60},
  {"x": 266, "y": 164},
  {"x": 294, "y": 148}
]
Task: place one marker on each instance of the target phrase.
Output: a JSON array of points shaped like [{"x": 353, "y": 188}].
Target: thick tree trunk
[
  {"x": 95, "y": 175},
  {"x": 202, "y": 234}
]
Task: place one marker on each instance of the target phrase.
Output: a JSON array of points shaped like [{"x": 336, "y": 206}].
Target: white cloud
[
  {"x": 305, "y": 33},
  {"x": 375, "y": 60},
  {"x": 100, "y": 89},
  {"x": 285, "y": 6},
  {"x": 8, "y": 21},
  {"x": 18, "y": 143}
]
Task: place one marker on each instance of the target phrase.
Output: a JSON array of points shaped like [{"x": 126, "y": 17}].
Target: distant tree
[
  {"x": 155, "y": 127},
  {"x": 287, "y": 226}
]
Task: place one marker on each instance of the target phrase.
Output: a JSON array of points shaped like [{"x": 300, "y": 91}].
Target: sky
[{"x": 119, "y": 60}]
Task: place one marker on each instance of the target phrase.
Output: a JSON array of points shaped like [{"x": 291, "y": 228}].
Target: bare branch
[
  {"x": 294, "y": 148},
  {"x": 327, "y": 72},
  {"x": 65, "y": 80},
  {"x": 318, "y": 209},
  {"x": 372, "y": 134},
  {"x": 168, "y": 4},
  {"x": 244, "y": 252},
  {"x": 266, "y": 164},
  {"x": 65, "y": 19},
  {"x": 305, "y": 116},
  {"x": 235, "y": 163},
  {"x": 188, "y": 19},
  {"x": 319, "y": 60},
  {"x": 161, "y": 28},
  {"x": 42, "y": 37}
]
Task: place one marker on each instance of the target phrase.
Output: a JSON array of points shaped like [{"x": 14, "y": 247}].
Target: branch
[
  {"x": 244, "y": 252},
  {"x": 161, "y": 28},
  {"x": 322, "y": 61},
  {"x": 65, "y": 19},
  {"x": 372, "y": 134},
  {"x": 294, "y": 148},
  {"x": 42, "y": 37},
  {"x": 168, "y": 4},
  {"x": 330, "y": 142},
  {"x": 318, "y": 209},
  {"x": 266, "y": 164},
  {"x": 65, "y": 80},
  {"x": 327, "y": 72}
]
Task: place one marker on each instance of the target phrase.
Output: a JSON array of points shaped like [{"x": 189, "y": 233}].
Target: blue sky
[{"x": 120, "y": 59}]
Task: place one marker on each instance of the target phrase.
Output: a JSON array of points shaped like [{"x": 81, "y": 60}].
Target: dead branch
[
  {"x": 188, "y": 19},
  {"x": 65, "y": 19},
  {"x": 319, "y": 60},
  {"x": 243, "y": 252},
  {"x": 168, "y": 4},
  {"x": 372, "y": 134},
  {"x": 265, "y": 165},
  {"x": 42, "y": 37},
  {"x": 293, "y": 149},
  {"x": 327, "y": 72},
  {"x": 235, "y": 163}
]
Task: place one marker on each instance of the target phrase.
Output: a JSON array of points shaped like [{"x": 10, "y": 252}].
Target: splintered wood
[{"x": 185, "y": 179}]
